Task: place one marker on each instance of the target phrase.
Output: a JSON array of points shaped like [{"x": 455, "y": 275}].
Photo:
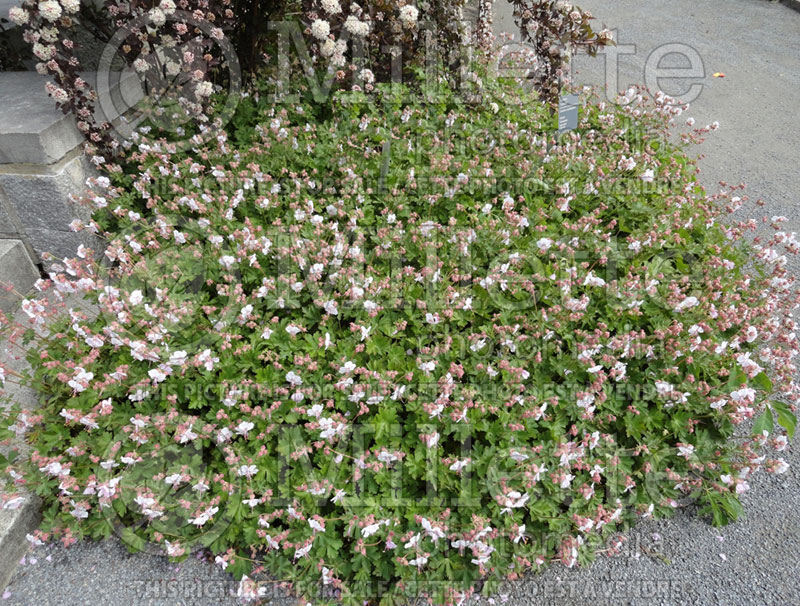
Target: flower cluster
[
  {"x": 144, "y": 35},
  {"x": 367, "y": 42},
  {"x": 431, "y": 366}
]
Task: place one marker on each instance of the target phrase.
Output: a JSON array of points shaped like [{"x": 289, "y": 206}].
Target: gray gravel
[
  {"x": 100, "y": 574},
  {"x": 684, "y": 560}
]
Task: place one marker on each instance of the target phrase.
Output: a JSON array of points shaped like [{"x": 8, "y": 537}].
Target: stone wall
[{"x": 42, "y": 166}]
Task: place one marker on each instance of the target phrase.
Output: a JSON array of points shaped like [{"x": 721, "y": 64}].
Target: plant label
[{"x": 567, "y": 113}]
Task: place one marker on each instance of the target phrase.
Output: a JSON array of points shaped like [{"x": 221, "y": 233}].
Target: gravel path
[{"x": 682, "y": 561}]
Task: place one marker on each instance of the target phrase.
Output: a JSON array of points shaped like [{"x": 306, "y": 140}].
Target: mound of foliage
[{"x": 410, "y": 346}]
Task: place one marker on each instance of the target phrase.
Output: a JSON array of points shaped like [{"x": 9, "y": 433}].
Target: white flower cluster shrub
[
  {"x": 151, "y": 29},
  {"x": 375, "y": 35}
]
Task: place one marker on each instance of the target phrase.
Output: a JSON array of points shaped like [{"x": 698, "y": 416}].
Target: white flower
[
  {"x": 205, "y": 516},
  {"x": 592, "y": 280},
  {"x": 458, "y": 465},
  {"x": 327, "y": 48},
  {"x": 370, "y": 530},
  {"x": 244, "y": 315},
  {"x": 331, "y": 308},
  {"x": 247, "y": 471},
  {"x": 431, "y": 440},
  {"x": 320, "y": 29},
  {"x": 745, "y": 395},
  {"x": 204, "y": 89},
  {"x": 356, "y": 27},
  {"x": 409, "y": 15},
  {"x": 427, "y": 366},
  {"x": 177, "y": 358},
  {"x": 227, "y": 261},
  {"x": 173, "y": 479},
  {"x": 293, "y": 378},
  {"x": 686, "y": 451},
  {"x": 367, "y": 76},
  {"x": 55, "y": 469},
  {"x": 50, "y": 10},
  {"x": 520, "y": 534},
  {"x": 686, "y": 303},
  {"x": 14, "y": 503},
  {"x": 249, "y": 590},
  {"x": 207, "y": 359},
  {"x": 168, "y": 6},
  {"x": 59, "y": 94},
  {"x": 386, "y": 457},
  {"x": 18, "y": 15},
  {"x": 157, "y": 17},
  {"x": 663, "y": 388},
  {"x": 157, "y": 375},
  {"x": 514, "y": 500},
  {"x": 94, "y": 341},
  {"x": 332, "y": 7},
  {"x": 316, "y": 526},
  {"x": 78, "y": 511},
  {"x": 432, "y": 531},
  {"x": 627, "y": 163},
  {"x": 244, "y": 427},
  {"x": 140, "y": 65},
  {"x": 81, "y": 379},
  {"x": 648, "y": 175}
]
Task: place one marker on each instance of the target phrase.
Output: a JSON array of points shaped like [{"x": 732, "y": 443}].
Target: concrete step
[
  {"x": 17, "y": 518},
  {"x": 15, "y": 524},
  {"x": 16, "y": 270}
]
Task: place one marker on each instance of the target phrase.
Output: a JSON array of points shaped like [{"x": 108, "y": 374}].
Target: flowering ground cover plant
[{"x": 410, "y": 348}]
